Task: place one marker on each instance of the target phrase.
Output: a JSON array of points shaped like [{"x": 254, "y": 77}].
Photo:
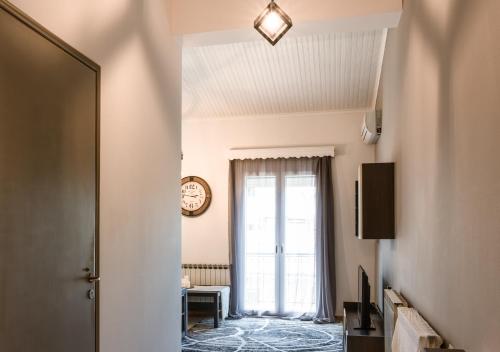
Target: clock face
[{"x": 195, "y": 196}]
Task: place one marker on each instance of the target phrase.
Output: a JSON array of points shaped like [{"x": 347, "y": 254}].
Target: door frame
[{"x": 54, "y": 39}]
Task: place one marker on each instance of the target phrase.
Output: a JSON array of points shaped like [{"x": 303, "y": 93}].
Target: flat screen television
[{"x": 363, "y": 300}]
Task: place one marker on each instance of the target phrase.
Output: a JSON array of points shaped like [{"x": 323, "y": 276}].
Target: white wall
[
  {"x": 442, "y": 128},
  {"x": 140, "y": 162},
  {"x": 205, "y": 144}
]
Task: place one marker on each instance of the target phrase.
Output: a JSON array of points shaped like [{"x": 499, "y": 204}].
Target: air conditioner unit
[{"x": 371, "y": 127}]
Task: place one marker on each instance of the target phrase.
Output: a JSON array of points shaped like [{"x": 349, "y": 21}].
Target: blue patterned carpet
[{"x": 263, "y": 334}]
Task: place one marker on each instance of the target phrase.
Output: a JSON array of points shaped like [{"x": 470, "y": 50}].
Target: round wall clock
[{"x": 195, "y": 196}]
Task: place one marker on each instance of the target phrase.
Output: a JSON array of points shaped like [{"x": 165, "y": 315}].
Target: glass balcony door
[
  {"x": 260, "y": 289},
  {"x": 298, "y": 257},
  {"x": 280, "y": 228}
]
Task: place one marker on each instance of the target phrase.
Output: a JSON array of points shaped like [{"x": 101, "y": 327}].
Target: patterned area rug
[{"x": 264, "y": 334}]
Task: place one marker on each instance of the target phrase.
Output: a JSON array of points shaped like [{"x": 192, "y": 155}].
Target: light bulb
[{"x": 272, "y": 23}]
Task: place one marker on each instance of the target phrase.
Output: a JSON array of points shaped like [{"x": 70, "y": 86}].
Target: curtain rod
[{"x": 281, "y": 152}]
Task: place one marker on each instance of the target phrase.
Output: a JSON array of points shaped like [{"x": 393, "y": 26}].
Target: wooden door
[{"x": 49, "y": 106}]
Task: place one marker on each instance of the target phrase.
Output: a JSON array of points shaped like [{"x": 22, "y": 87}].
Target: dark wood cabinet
[
  {"x": 361, "y": 340},
  {"x": 375, "y": 203}
]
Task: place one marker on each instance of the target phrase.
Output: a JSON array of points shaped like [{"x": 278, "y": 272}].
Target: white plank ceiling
[{"x": 324, "y": 72}]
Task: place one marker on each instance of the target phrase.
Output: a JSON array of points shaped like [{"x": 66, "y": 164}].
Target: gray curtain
[
  {"x": 235, "y": 241},
  {"x": 325, "y": 251},
  {"x": 326, "y": 297}
]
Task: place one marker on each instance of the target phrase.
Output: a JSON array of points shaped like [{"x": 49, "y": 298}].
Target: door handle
[{"x": 93, "y": 279}]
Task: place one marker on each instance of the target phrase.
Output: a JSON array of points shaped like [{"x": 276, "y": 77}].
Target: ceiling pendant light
[{"x": 273, "y": 23}]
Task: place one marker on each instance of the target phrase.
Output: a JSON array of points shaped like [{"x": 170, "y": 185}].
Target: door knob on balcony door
[{"x": 93, "y": 278}]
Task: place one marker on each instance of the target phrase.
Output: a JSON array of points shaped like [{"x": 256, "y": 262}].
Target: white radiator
[
  {"x": 392, "y": 300},
  {"x": 413, "y": 333},
  {"x": 207, "y": 274}
]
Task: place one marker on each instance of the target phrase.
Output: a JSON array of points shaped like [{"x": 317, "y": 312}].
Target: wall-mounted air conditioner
[{"x": 371, "y": 127}]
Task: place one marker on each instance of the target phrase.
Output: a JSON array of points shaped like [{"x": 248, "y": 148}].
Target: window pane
[
  {"x": 299, "y": 249},
  {"x": 260, "y": 241}
]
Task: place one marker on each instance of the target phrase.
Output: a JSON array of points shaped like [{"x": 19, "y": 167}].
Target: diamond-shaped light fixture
[{"x": 273, "y": 23}]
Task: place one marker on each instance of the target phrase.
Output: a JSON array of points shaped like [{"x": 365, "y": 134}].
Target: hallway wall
[
  {"x": 140, "y": 162},
  {"x": 442, "y": 127}
]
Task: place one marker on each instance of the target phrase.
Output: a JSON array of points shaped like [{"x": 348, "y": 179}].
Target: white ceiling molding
[
  {"x": 348, "y": 24},
  {"x": 202, "y": 16},
  {"x": 281, "y": 152},
  {"x": 379, "y": 68},
  {"x": 315, "y": 73},
  {"x": 296, "y": 115}
]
